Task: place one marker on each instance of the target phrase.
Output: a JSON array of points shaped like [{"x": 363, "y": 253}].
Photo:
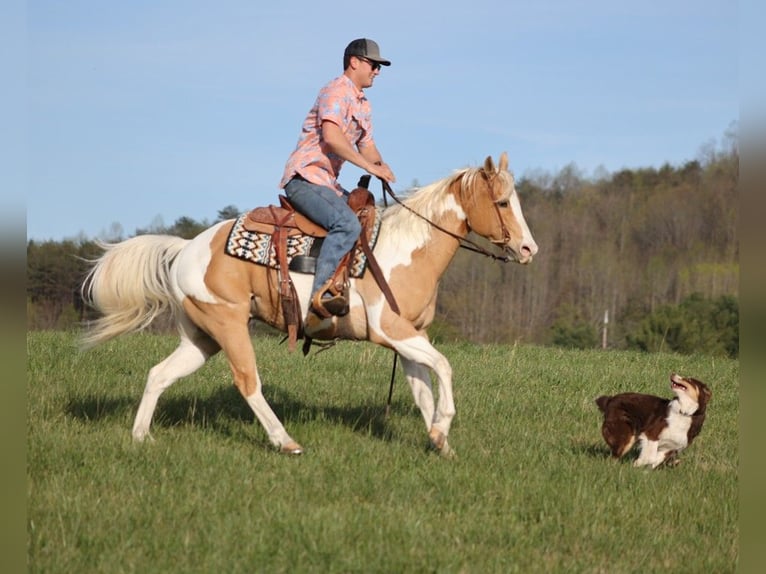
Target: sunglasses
[{"x": 374, "y": 65}]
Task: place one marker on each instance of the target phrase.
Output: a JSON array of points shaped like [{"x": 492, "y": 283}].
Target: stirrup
[{"x": 334, "y": 305}]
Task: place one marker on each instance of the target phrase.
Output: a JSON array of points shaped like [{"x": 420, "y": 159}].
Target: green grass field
[{"x": 532, "y": 490}]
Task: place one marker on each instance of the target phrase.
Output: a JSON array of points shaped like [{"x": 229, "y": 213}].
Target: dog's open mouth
[{"x": 677, "y": 382}]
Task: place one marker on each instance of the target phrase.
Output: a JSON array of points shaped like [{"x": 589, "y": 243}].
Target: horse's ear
[
  {"x": 489, "y": 165},
  {"x": 503, "y": 162}
]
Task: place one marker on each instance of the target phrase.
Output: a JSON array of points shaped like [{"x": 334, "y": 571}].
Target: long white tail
[{"x": 130, "y": 285}]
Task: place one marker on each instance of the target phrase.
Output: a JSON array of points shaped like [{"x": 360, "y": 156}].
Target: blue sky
[{"x": 140, "y": 112}]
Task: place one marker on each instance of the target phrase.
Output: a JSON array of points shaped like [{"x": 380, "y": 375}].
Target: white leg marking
[
  {"x": 420, "y": 384},
  {"x": 271, "y": 424},
  {"x": 186, "y": 359},
  {"x": 649, "y": 454},
  {"x": 419, "y": 350}
]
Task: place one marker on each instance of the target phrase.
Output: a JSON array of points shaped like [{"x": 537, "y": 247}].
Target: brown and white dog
[{"x": 663, "y": 427}]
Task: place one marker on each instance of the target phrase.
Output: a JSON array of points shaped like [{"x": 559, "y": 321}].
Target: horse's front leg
[
  {"x": 418, "y": 355},
  {"x": 419, "y": 380}
]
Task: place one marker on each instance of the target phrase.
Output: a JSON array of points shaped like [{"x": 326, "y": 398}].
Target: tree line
[
  {"x": 653, "y": 249},
  {"x": 629, "y": 245}
]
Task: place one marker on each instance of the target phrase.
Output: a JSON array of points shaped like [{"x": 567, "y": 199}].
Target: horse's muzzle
[{"x": 523, "y": 255}]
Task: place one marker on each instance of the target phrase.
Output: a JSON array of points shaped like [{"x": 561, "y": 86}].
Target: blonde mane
[{"x": 430, "y": 202}]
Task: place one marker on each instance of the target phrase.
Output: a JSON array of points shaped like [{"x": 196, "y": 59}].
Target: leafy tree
[
  {"x": 570, "y": 330},
  {"x": 725, "y": 320},
  {"x": 55, "y": 271},
  {"x": 187, "y": 227},
  {"x": 578, "y": 335},
  {"x": 697, "y": 325},
  {"x": 228, "y": 212}
]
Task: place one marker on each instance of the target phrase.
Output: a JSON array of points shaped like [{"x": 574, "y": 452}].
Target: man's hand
[{"x": 382, "y": 171}]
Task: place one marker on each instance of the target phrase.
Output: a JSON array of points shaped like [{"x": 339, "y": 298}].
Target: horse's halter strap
[
  {"x": 464, "y": 242},
  {"x": 506, "y": 233}
]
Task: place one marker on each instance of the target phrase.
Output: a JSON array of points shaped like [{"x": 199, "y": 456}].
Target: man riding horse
[{"x": 338, "y": 128}]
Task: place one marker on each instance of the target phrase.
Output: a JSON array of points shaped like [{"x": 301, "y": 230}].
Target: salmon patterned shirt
[{"x": 342, "y": 103}]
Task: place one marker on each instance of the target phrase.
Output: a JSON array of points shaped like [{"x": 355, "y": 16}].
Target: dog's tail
[{"x": 602, "y": 402}]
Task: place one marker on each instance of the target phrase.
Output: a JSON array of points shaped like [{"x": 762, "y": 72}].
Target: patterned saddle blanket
[{"x": 257, "y": 246}]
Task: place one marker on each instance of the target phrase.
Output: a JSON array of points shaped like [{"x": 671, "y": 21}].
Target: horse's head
[{"x": 492, "y": 209}]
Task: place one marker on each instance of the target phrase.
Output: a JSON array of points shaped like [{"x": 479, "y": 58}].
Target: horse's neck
[
  {"x": 427, "y": 250},
  {"x": 439, "y": 252},
  {"x": 446, "y": 229}
]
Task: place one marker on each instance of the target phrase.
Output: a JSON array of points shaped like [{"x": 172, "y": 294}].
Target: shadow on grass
[
  {"x": 225, "y": 411},
  {"x": 97, "y": 408},
  {"x": 591, "y": 450},
  {"x": 602, "y": 452}
]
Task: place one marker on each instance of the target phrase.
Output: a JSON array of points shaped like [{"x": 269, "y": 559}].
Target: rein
[{"x": 464, "y": 242}]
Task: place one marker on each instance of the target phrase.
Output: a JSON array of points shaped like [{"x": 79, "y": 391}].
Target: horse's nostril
[
  {"x": 527, "y": 252},
  {"x": 529, "y": 249}
]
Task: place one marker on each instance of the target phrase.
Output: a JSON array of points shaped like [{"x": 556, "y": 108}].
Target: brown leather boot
[{"x": 326, "y": 304}]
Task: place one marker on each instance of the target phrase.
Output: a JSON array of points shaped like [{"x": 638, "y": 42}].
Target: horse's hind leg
[
  {"x": 274, "y": 428},
  {"x": 235, "y": 342},
  {"x": 190, "y": 355}
]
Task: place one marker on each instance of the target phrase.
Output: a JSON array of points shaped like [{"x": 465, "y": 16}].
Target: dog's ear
[{"x": 602, "y": 403}]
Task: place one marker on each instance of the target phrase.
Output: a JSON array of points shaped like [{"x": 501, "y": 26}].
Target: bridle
[{"x": 463, "y": 242}]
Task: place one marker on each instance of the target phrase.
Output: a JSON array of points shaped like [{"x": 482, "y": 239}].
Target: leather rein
[{"x": 464, "y": 242}]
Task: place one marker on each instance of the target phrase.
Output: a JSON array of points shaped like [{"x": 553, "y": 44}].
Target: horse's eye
[{"x": 503, "y": 203}]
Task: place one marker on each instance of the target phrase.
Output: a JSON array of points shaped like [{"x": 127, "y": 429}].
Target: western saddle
[{"x": 284, "y": 221}]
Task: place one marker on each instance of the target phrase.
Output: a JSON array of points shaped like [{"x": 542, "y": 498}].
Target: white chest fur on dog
[{"x": 674, "y": 437}]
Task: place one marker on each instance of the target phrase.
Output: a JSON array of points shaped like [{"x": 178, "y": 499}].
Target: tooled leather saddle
[{"x": 283, "y": 222}]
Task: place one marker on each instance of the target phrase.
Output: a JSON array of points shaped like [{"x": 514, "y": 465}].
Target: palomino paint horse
[{"x": 213, "y": 295}]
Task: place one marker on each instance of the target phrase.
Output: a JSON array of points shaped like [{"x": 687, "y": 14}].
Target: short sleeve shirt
[{"x": 342, "y": 103}]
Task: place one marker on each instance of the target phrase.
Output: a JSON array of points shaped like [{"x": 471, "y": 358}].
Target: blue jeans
[{"x": 323, "y": 206}]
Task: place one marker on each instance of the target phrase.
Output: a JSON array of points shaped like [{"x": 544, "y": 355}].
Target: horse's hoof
[
  {"x": 292, "y": 448},
  {"x": 448, "y": 453},
  {"x": 444, "y": 452},
  {"x": 142, "y": 437},
  {"x": 438, "y": 443},
  {"x": 437, "y": 438}
]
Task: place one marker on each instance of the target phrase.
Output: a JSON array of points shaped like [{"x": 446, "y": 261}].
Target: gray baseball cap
[{"x": 366, "y": 48}]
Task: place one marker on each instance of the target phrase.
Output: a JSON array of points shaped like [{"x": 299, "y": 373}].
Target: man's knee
[{"x": 352, "y": 225}]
